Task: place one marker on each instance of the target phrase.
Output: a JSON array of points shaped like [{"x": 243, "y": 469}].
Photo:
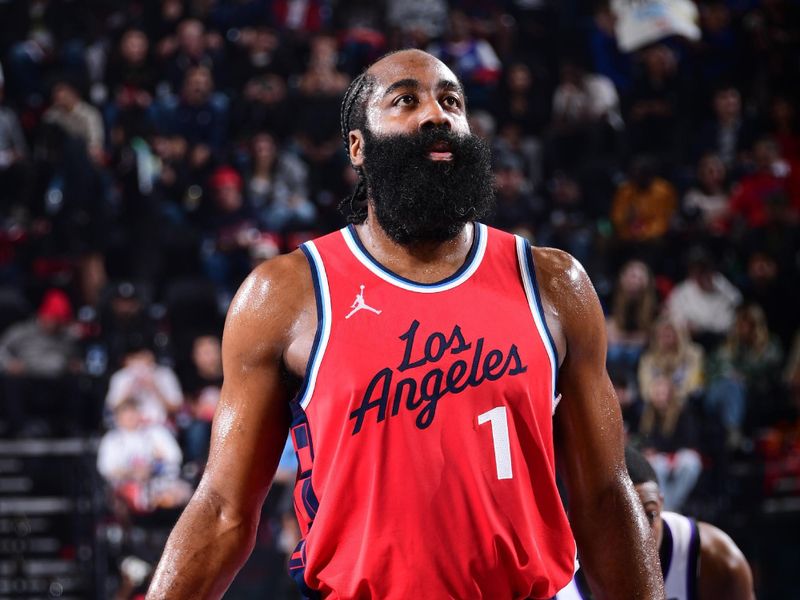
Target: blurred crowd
[{"x": 153, "y": 152}]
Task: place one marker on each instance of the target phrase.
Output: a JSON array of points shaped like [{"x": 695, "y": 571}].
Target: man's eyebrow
[
  {"x": 453, "y": 86},
  {"x": 413, "y": 84}
]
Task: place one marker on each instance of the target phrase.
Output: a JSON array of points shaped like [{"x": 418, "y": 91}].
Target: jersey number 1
[{"x": 498, "y": 421}]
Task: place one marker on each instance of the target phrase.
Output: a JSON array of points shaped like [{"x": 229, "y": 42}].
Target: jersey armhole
[
  {"x": 322, "y": 299},
  {"x": 528, "y": 275}
]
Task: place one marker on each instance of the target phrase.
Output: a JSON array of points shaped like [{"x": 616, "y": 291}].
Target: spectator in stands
[
  {"x": 608, "y": 59},
  {"x": 668, "y": 437},
  {"x": 744, "y": 375},
  {"x": 774, "y": 287},
  {"x": 427, "y": 17},
  {"x": 154, "y": 387},
  {"x": 517, "y": 206},
  {"x": 705, "y": 301},
  {"x": 260, "y": 53},
  {"x": 42, "y": 38},
  {"x": 585, "y": 115},
  {"x": 671, "y": 354},
  {"x": 77, "y": 118},
  {"x": 200, "y": 118},
  {"x": 634, "y": 307},
  {"x": 124, "y": 315},
  {"x": 202, "y": 383},
  {"x": 231, "y": 232},
  {"x": 190, "y": 48},
  {"x": 264, "y": 106},
  {"x": 791, "y": 376},
  {"x": 277, "y": 186},
  {"x": 172, "y": 179},
  {"x": 568, "y": 223},
  {"x": 15, "y": 170},
  {"x": 141, "y": 461},
  {"x": 522, "y": 99},
  {"x": 38, "y": 361},
  {"x": 132, "y": 79},
  {"x": 473, "y": 60},
  {"x": 521, "y": 105},
  {"x": 655, "y": 104},
  {"x": 707, "y": 203},
  {"x": 771, "y": 193},
  {"x": 300, "y": 18},
  {"x": 784, "y": 128},
  {"x": 718, "y": 53},
  {"x": 730, "y": 135},
  {"x": 644, "y": 205},
  {"x": 317, "y": 136}
]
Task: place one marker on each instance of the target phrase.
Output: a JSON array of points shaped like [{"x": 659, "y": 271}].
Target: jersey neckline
[{"x": 471, "y": 263}]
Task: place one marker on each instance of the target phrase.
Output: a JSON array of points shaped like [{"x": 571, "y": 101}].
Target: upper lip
[{"x": 440, "y": 146}]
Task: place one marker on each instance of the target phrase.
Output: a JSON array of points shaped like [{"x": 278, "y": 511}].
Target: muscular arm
[
  {"x": 724, "y": 571},
  {"x": 216, "y": 532},
  {"x": 614, "y": 541}
]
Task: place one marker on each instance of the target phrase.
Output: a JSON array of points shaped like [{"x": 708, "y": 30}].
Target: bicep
[
  {"x": 588, "y": 420},
  {"x": 252, "y": 418}
]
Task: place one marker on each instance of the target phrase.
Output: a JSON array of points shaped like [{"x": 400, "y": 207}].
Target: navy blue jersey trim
[
  {"x": 320, "y": 323},
  {"x": 297, "y": 571},
  {"x": 540, "y": 306},
  {"x": 692, "y": 570},
  {"x": 473, "y": 251},
  {"x": 665, "y": 551}
]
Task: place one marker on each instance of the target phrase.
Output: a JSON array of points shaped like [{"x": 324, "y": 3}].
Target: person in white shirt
[
  {"x": 705, "y": 301},
  {"x": 141, "y": 462},
  {"x": 155, "y": 387}
]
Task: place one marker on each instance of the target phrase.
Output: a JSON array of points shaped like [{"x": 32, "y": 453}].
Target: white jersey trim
[
  {"x": 537, "y": 311},
  {"x": 370, "y": 263},
  {"x": 324, "y": 327}
]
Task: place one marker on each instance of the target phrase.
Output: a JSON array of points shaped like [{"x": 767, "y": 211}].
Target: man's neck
[{"x": 423, "y": 262}]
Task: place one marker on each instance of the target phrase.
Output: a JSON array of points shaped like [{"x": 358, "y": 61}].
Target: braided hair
[{"x": 354, "y": 116}]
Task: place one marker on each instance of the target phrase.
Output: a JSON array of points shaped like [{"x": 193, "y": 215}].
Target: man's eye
[
  {"x": 405, "y": 100},
  {"x": 651, "y": 516},
  {"x": 452, "y": 101}
]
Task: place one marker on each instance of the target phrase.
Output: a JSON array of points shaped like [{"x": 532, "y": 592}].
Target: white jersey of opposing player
[{"x": 680, "y": 581}]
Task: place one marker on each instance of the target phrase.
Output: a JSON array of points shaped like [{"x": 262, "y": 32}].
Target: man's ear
[{"x": 356, "y": 145}]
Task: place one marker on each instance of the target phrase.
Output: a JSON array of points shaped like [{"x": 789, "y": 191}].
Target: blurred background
[{"x": 152, "y": 152}]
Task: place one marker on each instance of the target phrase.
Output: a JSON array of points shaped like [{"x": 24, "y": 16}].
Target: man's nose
[{"x": 433, "y": 116}]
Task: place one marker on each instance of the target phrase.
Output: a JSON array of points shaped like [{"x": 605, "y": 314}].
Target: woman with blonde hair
[
  {"x": 667, "y": 435},
  {"x": 633, "y": 310},
  {"x": 673, "y": 355},
  {"x": 671, "y": 372},
  {"x": 744, "y": 373}
]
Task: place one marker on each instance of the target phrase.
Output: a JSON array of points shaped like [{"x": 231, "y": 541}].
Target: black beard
[{"x": 417, "y": 199}]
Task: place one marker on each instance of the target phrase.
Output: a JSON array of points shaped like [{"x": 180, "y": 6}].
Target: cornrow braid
[{"x": 353, "y": 116}]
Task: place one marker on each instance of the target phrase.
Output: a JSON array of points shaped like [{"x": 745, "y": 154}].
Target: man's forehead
[
  {"x": 416, "y": 65},
  {"x": 648, "y": 492}
]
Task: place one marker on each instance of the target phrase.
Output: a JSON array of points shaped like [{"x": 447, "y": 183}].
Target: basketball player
[
  {"x": 698, "y": 561},
  {"x": 418, "y": 358}
]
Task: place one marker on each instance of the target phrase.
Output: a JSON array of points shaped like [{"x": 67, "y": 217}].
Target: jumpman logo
[{"x": 359, "y": 304}]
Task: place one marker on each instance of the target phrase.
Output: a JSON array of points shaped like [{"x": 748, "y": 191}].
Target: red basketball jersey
[{"x": 424, "y": 431}]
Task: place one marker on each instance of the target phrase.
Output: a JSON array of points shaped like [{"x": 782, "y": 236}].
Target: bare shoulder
[
  {"x": 718, "y": 547},
  {"x": 561, "y": 275},
  {"x": 569, "y": 298},
  {"x": 270, "y": 303},
  {"x": 724, "y": 570}
]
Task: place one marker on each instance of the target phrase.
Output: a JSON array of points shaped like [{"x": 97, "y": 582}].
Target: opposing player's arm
[
  {"x": 614, "y": 542},
  {"x": 216, "y": 532},
  {"x": 724, "y": 571}
]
